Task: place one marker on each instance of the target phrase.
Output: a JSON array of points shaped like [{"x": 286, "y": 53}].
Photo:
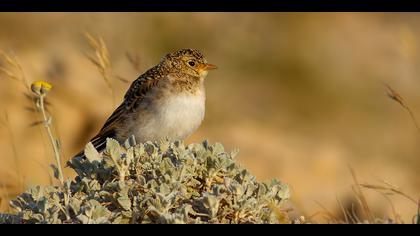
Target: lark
[{"x": 167, "y": 101}]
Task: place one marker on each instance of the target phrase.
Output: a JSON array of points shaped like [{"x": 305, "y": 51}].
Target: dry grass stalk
[
  {"x": 389, "y": 190},
  {"x": 329, "y": 216},
  {"x": 351, "y": 217},
  {"x": 15, "y": 72},
  {"x": 101, "y": 60},
  {"x": 122, "y": 79},
  {"x": 6, "y": 194},
  {"x": 6, "y": 123},
  {"x": 394, "y": 95},
  {"x": 361, "y": 197},
  {"x": 134, "y": 61},
  {"x": 397, "y": 217},
  {"x": 344, "y": 211},
  {"x": 418, "y": 213},
  {"x": 311, "y": 217},
  {"x": 11, "y": 67}
]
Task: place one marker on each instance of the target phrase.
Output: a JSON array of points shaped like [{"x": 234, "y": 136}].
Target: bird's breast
[
  {"x": 175, "y": 116},
  {"x": 183, "y": 111}
]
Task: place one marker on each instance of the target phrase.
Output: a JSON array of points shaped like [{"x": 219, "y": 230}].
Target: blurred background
[{"x": 299, "y": 94}]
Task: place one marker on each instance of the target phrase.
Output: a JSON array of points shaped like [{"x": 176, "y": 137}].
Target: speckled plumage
[{"x": 168, "y": 100}]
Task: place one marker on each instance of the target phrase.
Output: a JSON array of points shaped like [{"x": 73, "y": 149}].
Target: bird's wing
[{"x": 137, "y": 91}]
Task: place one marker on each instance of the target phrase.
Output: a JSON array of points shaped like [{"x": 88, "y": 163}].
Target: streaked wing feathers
[{"x": 137, "y": 91}]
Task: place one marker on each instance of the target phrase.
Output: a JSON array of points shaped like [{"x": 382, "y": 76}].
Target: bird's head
[{"x": 188, "y": 61}]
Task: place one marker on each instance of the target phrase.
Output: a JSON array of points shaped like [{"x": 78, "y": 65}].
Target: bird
[{"x": 167, "y": 101}]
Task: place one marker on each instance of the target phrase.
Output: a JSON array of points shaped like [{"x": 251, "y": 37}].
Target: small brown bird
[{"x": 168, "y": 101}]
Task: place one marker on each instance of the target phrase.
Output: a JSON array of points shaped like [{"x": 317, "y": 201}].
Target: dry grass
[
  {"x": 361, "y": 197},
  {"x": 19, "y": 176},
  {"x": 37, "y": 95},
  {"x": 101, "y": 60},
  {"x": 416, "y": 218},
  {"x": 134, "y": 60},
  {"x": 386, "y": 189},
  {"x": 367, "y": 216},
  {"x": 13, "y": 69},
  {"x": 394, "y": 95}
]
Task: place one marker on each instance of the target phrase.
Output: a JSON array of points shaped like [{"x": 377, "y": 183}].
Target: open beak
[{"x": 208, "y": 67}]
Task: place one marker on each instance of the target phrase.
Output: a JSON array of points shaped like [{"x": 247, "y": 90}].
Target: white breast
[
  {"x": 176, "y": 116},
  {"x": 182, "y": 114}
]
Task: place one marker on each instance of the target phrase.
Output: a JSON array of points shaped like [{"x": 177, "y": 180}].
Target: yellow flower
[{"x": 40, "y": 87}]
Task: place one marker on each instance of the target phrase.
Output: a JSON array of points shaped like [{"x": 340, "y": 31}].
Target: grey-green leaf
[{"x": 91, "y": 153}]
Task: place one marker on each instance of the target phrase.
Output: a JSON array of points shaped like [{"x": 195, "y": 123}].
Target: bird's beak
[{"x": 208, "y": 67}]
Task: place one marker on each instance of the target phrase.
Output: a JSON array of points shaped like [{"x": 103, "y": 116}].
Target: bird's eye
[{"x": 191, "y": 63}]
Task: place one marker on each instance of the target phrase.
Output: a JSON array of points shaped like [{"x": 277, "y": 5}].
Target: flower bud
[{"x": 40, "y": 87}]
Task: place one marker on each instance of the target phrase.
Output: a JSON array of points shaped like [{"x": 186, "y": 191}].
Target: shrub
[{"x": 160, "y": 182}]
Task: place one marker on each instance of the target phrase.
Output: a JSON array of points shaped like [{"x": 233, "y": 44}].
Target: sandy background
[{"x": 299, "y": 94}]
